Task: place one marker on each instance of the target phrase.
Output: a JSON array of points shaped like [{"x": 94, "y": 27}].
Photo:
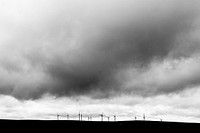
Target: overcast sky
[{"x": 123, "y": 57}]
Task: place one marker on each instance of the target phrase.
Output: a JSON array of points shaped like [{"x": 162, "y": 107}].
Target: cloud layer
[
  {"x": 168, "y": 107},
  {"x": 98, "y": 48}
]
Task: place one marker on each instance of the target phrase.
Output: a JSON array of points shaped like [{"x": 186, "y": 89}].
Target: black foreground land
[{"x": 65, "y": 125}]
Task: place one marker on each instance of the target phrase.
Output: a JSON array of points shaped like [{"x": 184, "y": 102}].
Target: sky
[{"x": 122, "y": 57}]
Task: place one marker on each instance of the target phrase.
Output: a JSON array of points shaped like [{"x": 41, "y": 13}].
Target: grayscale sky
[{"x": 122, "y": 57}]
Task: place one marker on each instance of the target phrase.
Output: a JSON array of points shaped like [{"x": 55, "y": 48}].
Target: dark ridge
[{"x": 69, "y": 125}]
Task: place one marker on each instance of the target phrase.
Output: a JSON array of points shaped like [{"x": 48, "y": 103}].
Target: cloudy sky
[{"x": 123, "y": 57}]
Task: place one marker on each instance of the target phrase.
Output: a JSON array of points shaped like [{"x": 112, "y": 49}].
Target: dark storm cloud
[
  {"x": 81, "y": 47},
  {"x": 108, "y": 46}
]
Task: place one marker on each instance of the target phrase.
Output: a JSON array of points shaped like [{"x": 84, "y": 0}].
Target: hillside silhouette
[{"x": 67, "y": 125}]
